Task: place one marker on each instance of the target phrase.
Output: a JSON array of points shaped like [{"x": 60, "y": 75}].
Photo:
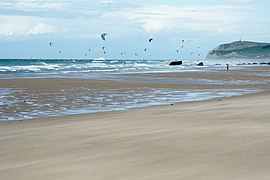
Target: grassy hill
[{"x": 241, "y": 49}]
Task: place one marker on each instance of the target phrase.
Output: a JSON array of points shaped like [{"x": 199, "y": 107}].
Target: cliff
[{"x": 241, "y": 49}]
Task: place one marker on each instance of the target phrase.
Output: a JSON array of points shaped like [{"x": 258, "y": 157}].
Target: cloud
[
  {"x": 242, "y": 2},
  {"x": 34, "y": 5},
  {"x": 63, "y": 8},
  {"x": 41, "y": 28},
  {"x": 84, "y": 18},
  {"x": 159, "y": 18},
  {"x": 24, "y": 26}
]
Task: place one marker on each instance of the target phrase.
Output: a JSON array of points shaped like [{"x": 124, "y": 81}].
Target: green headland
[{"x": 241, "y": 49}]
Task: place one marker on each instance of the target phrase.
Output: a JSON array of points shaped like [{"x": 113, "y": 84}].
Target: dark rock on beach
[
  {"x": 173, "y": 63},
  {"x": 200, "y": 64},
  {"x": 254, "y": 63}
]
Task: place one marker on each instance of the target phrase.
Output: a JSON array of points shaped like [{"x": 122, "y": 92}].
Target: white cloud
[
  {"x": 41, "y": 28},
  {"x": 182, "y": 18},
  {"x": 85, "y": 18},
  {"x": 243, "y": 2},
  {"x": 24, "y": 26},
  {"x": 35, "y": 5}
]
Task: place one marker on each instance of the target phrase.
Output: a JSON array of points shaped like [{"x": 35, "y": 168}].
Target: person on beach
[{"x": 227, "y": 66}]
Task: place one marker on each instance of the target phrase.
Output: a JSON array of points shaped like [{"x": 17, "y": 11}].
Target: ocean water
[
  {"x": 21, "y": 68},
  {"x": 25, "y": 68},
  {"x": 17, "y": 104}
]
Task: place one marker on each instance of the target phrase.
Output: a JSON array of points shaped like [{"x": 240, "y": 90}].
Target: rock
[
  {"x": 200, "y": 64},
  {"x": 173, "y": 63}
]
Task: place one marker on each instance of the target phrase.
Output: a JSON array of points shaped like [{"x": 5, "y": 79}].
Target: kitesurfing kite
[
  {"x": 103, "y": 36},
  {"x": 151, "y": 39}
]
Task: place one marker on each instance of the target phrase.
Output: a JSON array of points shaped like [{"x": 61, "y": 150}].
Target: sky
[{"x": 179, "y": 28}]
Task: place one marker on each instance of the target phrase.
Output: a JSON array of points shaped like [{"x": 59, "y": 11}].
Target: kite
[{"x": 103, "y": 36}]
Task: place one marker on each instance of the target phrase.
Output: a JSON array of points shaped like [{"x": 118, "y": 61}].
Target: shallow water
[
  {"x": 186, "y": 80},
  {"x": 18, "y": 104}
]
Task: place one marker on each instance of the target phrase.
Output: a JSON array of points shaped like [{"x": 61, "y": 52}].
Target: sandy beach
[
  {"x": 224, "y": 138},
  {"x": 134, "y": 90}
]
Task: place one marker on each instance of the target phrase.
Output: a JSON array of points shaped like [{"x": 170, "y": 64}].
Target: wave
[{"x": 61, "y": 66}]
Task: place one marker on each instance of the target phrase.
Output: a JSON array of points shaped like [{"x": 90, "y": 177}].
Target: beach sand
[{"x": 225, "y": 138}]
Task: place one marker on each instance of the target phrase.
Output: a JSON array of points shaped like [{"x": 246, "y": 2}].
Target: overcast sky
[{"x": 74, "y": 27}]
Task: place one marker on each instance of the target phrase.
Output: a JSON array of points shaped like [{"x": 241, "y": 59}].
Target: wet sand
[
  {"x": 41, "y": 97},
  {"x": 225, "y": 138}
]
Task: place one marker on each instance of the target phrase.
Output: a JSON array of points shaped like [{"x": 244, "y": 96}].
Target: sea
[
  {"x": 31, "y": 68},
  {"x": 83, "y": 68},
  {"x": 110, "y": 69}
]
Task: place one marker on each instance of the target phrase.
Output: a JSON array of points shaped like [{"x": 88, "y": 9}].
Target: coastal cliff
[{"x": 241, "y": 49}]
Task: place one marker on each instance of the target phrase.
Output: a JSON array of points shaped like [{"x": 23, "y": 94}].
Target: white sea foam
[{"x": 39, "y": 68}]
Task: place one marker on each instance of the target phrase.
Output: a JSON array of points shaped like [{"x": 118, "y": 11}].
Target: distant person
[{"x": 227, "y": 66}]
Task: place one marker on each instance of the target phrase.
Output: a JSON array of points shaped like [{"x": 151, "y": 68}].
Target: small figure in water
[{"x": 227, "y": 66}]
